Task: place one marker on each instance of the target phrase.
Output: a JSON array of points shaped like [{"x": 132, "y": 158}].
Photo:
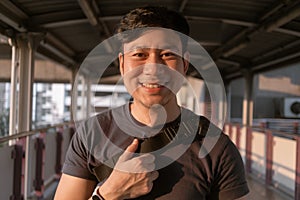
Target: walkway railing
[
  {"x": 272, "y": 156},
  {"x": 34, "y": 172}
]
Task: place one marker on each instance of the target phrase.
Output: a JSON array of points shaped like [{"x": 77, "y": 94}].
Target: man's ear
[
  {"x": 186, "y": 61},
  {"x": 121, "y": 63}
]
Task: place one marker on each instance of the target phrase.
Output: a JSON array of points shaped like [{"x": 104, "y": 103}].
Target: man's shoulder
[
  {"x": 109, "y": 113},
  {"x": 103, "y": 118}
]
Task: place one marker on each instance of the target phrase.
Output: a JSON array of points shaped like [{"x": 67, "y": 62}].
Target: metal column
[
  {"x": 248, "y": 115},
  {"x": 73, "y": 96},
  {"x": 228, "y": 95},
  {"x": 13, "y": 89},
  {"x": 248, "y": 99},
  {"x": 27, "y": 44}
]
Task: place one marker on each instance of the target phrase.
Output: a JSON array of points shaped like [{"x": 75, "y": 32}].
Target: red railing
[
  {"x": 38, "y": 181},
  {"x": 269, "y": 149}
]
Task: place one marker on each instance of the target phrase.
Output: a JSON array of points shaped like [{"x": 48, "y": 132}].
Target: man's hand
[{"x": 132, "y": 176}]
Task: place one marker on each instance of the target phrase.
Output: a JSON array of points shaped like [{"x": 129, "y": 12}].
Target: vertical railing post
[
  {"x": 38, "y": 181},
  {"x": 248, "y": 149},
  {"x": 59, "y": 140},
  {"x": 269, "y": 157},
  {"x": 297, "y": 175},
  {"x": 17, "y": 155},
  {"x": 230, "y": 130},
  {"x": 238, "y": 136},
  {"x": 296, "y": 127}
]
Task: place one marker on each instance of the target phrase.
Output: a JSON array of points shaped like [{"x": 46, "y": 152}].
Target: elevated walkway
[{"x": 32, "y": 165}]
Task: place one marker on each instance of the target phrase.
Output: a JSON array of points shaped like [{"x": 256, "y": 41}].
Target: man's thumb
[
  {"x": 129, "y": 151},
  {"x": 133, "y": 146}
]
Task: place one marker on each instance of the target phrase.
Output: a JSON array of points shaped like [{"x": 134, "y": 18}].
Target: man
[{"x": 149, "y": 148}]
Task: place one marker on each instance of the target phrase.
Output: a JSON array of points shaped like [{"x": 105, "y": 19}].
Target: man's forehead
[{"x": 156, "y": 39}]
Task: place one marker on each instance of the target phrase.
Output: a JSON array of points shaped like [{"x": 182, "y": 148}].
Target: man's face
[{"x": 153, "y": 67}]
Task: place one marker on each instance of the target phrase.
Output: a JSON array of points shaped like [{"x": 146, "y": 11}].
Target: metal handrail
[
  {"x": 32, "y": 132},
  {"x": 291, "y": 135}
]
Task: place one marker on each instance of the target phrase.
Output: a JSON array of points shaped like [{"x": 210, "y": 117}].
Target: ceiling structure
[{"x": 240, "y": 35}]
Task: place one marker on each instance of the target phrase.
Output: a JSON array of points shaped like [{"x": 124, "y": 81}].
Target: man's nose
[
  {"x": 153, "y": 65},
  {"x": 153, "y": 69}
]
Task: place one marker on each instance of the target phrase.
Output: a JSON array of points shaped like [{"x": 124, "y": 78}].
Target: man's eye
[
  {"x": 168, "y": 55},
  {"x": 140, "y": 55}
]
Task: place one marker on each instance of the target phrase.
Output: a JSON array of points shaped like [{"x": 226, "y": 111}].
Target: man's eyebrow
[
  {"x": 168, "y": 47},
  {"x": 136, "y": 47}
]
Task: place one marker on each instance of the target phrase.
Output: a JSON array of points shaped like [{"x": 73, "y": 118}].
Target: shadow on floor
[{"x": 259, "y": 191}]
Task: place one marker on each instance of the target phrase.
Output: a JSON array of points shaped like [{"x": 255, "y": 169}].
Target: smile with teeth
[{"x": 151, "y": 85}]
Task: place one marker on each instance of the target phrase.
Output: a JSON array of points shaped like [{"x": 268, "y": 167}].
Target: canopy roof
[{"x": 241, "y": 36}]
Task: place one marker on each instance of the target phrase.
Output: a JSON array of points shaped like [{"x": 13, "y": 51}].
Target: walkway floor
[{"x": 259, "y": 191}]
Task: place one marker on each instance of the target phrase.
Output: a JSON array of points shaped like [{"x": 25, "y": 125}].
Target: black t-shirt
[{"x": 197, "y": 166}]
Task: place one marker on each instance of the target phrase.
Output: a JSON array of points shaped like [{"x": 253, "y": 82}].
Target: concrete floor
[{"x": 259, "y": 191}]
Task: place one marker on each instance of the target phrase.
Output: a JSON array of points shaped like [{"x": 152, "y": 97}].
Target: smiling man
[
  {"x": 153, "y": 70},
  {"x": 149, "y": 148}
]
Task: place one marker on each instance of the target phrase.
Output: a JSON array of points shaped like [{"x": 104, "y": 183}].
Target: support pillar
[
  {"x": 248, "y": 115},
  {"x": 13, "y": 89},
  {"x": 228, "y": 95},
  {"x": 27, "y": 44},
  {"x": 73, "y": 106},
  {"x": 248, "y": 99}
]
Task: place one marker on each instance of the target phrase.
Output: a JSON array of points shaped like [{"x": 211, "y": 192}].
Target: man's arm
[
  {"x": 71, "y": 187},
  {"x": 130, "y": 179}
]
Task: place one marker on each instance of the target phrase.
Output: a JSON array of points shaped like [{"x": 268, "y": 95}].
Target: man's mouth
[{"x": 151, "y": 85}]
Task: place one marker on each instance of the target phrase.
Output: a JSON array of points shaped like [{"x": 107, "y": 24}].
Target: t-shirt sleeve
[
  {"x": 232, "y": 182},
  {"x": 76, "y": 161}
]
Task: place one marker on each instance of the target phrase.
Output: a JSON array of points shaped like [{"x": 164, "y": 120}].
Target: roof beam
[
  {"x": 276, "y": 58},
  {"x": 6, "y": 17},
  {"x": 229, "y": 62},
  {"x": 241, "y": 38},
  {"x": 91, "y": 11},
  {"x": 283, "y": 19},
  {"x": 279, "y": 55},
  {"x": 272, "y": 9},
  {"x": 59, "y": 44},
  {"x": 16, "y": 25},
  {"x": 57, "y": 24},
  {"x": 182, "y": 5},
  {"x": 58, "y": 53},
  {"x": 14, "y": 9},
  {"x": 64, "y": 23}
]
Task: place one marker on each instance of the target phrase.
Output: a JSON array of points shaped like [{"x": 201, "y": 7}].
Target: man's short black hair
[
  {"x": 154, "y": 17},
  {"x": 150, "y": 16}
]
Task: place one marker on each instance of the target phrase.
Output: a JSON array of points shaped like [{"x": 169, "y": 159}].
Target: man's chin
[{"x": 153, "y": 104}]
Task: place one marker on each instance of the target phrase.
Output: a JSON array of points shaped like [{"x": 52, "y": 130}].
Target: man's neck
[{"x": 156, "y": 114}]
